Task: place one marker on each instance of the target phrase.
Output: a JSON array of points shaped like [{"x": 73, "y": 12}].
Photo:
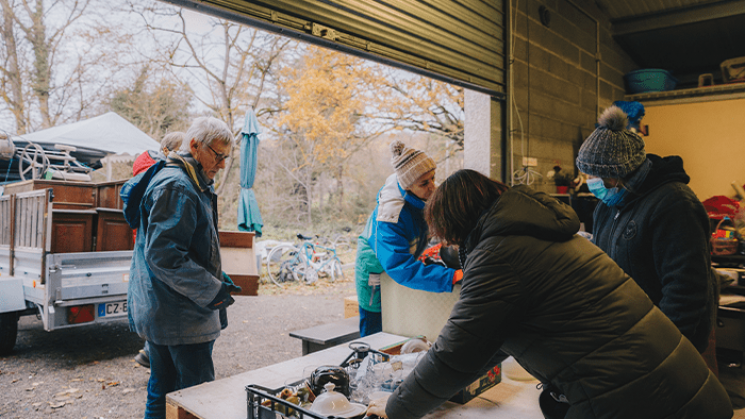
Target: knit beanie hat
[
  {"x": 409, "y": 163},
  {"x": 611, "y": 151}
]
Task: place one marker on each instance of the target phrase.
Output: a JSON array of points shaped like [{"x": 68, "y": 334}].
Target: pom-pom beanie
[
  {"x": 611, "y": 151},
  {"x": 409, "y": 163}
]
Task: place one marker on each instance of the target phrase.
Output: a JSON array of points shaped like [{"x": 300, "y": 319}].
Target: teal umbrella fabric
[{"x": 249, "y": 216}]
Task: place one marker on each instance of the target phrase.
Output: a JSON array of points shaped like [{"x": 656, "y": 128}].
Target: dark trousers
[
  {"x": 370, "y": 322},
  {"x": 174, "y": 368}
]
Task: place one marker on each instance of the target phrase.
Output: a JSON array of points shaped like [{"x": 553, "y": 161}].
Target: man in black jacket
[{"x": 651, "y": 224}]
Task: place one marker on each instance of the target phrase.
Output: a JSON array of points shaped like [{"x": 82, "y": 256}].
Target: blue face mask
[{"x": 612, "y": 197}]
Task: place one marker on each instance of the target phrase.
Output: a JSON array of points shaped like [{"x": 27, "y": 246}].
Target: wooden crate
[
  {"x": 112, "y": 231},
  {"x": 239, "y": 260},
  {"x": 66, "y": 195},
  {"x": 108, "y": 194},
  {"x": 72, "y": 230}
]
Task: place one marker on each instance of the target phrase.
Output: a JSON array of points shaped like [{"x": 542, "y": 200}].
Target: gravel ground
[{"x": 89, "y": 372}]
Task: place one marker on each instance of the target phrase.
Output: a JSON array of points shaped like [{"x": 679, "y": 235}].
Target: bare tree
[
  {"x": 153, "y": 103},
  {"x": 421, "y": 104},
  {"x": 55, "y": 58},
  {"x": 10, "y": 76},
  {"x": 30, "y": 17},
  {"x": 319, "y": 124},
  {"x": 227, "y": 67}
]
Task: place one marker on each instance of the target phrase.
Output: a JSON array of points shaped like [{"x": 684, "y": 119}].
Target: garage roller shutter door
[{"x": 461, "y": 42}]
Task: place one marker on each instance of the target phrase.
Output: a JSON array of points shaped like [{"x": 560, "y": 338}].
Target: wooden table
[{"x": 226, "y": 398}]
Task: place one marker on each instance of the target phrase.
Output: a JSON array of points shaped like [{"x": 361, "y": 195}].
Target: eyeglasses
[{"x": 218, "y": 156}]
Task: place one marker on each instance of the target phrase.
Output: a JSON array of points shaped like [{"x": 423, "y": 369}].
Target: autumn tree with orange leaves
[
  {"x": 331, "y": 106},
  {"x": 321, "y": 124}
]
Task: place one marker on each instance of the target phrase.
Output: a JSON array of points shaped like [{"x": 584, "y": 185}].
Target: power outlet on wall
[{"x": 530, "y": 161}]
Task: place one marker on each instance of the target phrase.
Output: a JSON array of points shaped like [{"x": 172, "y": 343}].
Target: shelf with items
[{"x": 699, "y": 94}]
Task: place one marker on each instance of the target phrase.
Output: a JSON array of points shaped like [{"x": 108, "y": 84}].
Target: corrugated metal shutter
[{"x": 459, "y": 41}]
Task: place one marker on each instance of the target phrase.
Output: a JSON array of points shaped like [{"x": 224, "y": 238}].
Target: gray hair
[
  {"x": 206, "y": 130},
  {"x": 172, "y": 140}
]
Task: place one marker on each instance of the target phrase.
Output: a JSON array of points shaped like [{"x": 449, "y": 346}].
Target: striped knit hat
[
  {"x": 409, "y": 163},
  {"x": 611, "y": 151}
]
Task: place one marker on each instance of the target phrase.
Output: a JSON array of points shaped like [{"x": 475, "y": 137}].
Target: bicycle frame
[
  {"x": 314, "y": 260},
  {"x": 303, "y": 262}
]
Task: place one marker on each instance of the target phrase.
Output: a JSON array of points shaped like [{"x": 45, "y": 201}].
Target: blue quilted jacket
[{"x": 176, "y": 267}]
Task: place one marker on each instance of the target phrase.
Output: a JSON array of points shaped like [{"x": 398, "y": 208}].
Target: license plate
[{"x": 118, "y": 308}]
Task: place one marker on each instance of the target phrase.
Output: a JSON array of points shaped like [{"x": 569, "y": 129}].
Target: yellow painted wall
[{"x": 709, "y": 136}]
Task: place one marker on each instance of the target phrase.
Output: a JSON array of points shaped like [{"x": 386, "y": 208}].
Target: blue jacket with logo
[
  {"x": 395, "y": 235},
  {"x": 176, "y": 267}
]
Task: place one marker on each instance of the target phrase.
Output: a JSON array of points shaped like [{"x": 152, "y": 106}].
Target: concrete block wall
[{"x": 555, "y": 81}]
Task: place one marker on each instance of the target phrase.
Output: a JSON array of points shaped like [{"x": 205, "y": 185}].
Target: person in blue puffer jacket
[{"x": 396, "y": 234}]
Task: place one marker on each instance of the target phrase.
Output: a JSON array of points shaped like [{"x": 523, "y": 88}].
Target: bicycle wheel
[
  {"x": 306, "y": 273},
  {"x": 279, "y": 263},
  {"x": 336, "y": 271},
  {"x": 342, "y": 244}
]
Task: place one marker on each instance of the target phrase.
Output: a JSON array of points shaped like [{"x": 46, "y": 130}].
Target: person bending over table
[{"x": 535, "y": 290}]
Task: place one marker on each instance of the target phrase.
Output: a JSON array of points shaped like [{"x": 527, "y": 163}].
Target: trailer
[
  {"x": 65, "y": 254},
  {"x": 66, "y": 251}
]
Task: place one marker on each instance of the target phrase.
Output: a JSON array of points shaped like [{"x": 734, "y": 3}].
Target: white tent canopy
[{"x": 108, "y": 132}]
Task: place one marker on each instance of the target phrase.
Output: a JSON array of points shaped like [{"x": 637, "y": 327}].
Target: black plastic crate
[{"x": 278, "y": 407}]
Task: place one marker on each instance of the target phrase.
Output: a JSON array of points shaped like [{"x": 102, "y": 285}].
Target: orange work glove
[{"x": 458, "y": 276}]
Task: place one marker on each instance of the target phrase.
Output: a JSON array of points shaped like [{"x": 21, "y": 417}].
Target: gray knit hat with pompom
[
  {"x": 409, "y": 163},
  {"x": 611, "y": 151}
]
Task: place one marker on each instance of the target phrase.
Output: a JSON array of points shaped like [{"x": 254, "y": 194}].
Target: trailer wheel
[{"x": 8, "y": 332}]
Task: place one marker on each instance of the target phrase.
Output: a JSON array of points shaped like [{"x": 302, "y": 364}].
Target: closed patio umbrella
[{"x": 249, "y": 217}]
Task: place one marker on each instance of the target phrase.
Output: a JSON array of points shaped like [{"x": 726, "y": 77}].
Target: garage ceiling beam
[{"x": 679, "y": 17}]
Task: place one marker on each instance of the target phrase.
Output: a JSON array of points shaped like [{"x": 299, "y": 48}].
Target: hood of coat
[
  {"x": 522, "y": 211},
  {"x": 664, "y": 170}
]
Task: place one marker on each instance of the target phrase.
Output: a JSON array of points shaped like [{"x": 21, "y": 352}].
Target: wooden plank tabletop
[{"x": 226, "y": 398}]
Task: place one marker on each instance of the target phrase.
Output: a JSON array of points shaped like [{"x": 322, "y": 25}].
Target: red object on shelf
[{"x": 720, "y": 206}]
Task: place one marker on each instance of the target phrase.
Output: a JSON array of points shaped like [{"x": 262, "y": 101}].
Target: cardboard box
[
  {"x": 485, "y": 382},
  {"x": 351, "y": 307},
  {"x": 409, "y": 312}
]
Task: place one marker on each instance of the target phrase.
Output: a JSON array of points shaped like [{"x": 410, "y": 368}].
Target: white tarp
[{"x": 108, "y": 132}]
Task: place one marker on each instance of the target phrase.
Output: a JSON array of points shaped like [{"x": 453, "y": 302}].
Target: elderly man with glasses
[{"x": 177, "y": 291}]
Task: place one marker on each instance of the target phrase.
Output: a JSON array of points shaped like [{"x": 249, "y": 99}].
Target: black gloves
[
  {"x": 231, "y": 286},
  {"x": 223, "y": 298}
]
